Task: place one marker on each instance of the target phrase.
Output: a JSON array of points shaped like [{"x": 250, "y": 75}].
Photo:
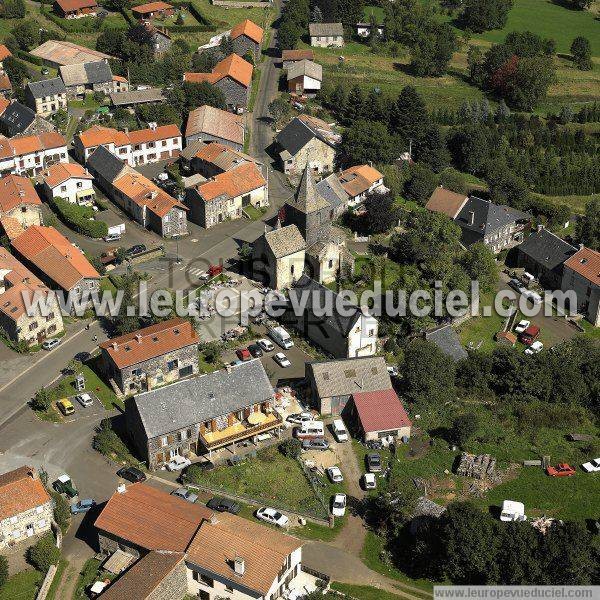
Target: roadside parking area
[{"x": 93, "y": 410}]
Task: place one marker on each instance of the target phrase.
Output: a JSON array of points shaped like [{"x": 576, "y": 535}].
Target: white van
[
  {"x": 309, "y": 430},
  {"x": 340, "y": 431},
  {"x": 533, "y": 296},
  {"x": 280, "y": 336}
]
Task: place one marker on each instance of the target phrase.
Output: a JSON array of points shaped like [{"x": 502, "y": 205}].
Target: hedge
[{"x": 78, "y": 218}]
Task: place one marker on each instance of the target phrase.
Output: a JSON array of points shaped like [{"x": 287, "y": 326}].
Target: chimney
[
  {"x": 239, "y": 566},
  {"x": 121, "y": 488},
  {"x": 581, "y": 246},
  {"x": 114, "y": 345},
  {"x": 471, "y": 217},
  {"x": 138, "y": 337}
]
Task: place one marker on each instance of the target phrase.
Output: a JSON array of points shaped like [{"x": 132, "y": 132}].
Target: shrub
[
  {"x": 79, "y": 218},
  {"x": 291, "y": 448},
  {"x": 44, "y": 553},
  {"x": 3, "y": 570},
  {"x": 62, "y": 513},
  {"x": 41, "y": 401},
  {"x": 107, "y": 442},
  {"x": 464, "y": 427}
]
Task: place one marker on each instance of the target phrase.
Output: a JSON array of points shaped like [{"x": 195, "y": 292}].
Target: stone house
[
  {"x": 96, "y": 76},
  {"x": 46, "y": 97},
  {"x": 582, "y": 275},
  {"x": 202, "y": 414},
  {"x": 360, "y": 180},
  {"x": 146, "y": 34},
  {"x": 210, "y": 160},
  {"x": 26, "y": 508},
  {"x": 16, "y": 119},
  {"x": 326, "y": 35},
  {"x": 151, "y": 357},
  {"x": 210, "y": 124},
  {"x": 247, "y": 37},
  {"x": 19, "y": 200}
]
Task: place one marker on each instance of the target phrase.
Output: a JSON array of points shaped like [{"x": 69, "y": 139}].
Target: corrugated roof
[
  {"x": 21, "y": 490},
  {"x": 305, "y": 68},
  {"x": 326, "y": 29},
  {"x": 137, "y": 97},
  {"x": 380, "y": 410},
  {"x": 151, "y": 7}
]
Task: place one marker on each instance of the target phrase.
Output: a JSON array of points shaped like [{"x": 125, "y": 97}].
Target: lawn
[
  {"x": 271, "y": 478},
  {"x": 62, "y": 565},
  {"x": 254, "y": 213},
  {"x": 22, "y": 586},
  {"x": 363, "y": 592}
]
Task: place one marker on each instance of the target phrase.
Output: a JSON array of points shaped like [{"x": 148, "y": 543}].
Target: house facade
[
  {"x": 304, "y": 78},
  {"x": 582, "y": 275},
  {"x": 151, "y": 357},
  {"x": 26, "y": 509},
  {"x": 326, "y": 35},
  {"x": 19, "y": 200},
  {"x": 75, "y": 9},
  {"x": 46, "y": 97},
  {"x": 359, "y": 181},
  {"x": 91, "y": 77},
  {"x": 30, "y": 155},
  {"x": 69, "y": 181}
]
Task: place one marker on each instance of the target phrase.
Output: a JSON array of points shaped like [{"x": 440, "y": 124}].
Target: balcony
[{"x": 239, "y": 430}]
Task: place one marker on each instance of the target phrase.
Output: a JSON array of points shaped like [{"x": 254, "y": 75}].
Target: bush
[
  {"x": 291, "y": 448},
  {"x": 79, "y": 218},
  {"x": 107, "y": 442},
  {"x": 44, "y": 553},
  {"x": 3, "y": 570},
  {"x": 41, "y": 401},
  {"x": 62, "y": 513},
  {"x": 464, "y": 427}
]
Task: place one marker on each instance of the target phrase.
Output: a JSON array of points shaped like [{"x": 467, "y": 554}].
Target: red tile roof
[
  {"x": 5, "y": 85},
  {"x": 446, "y": 201},
  {"x": 357, "y": 180},
  {"x": 152, "y": 519},
  {"x": 61, "y": 172},
  {"x": 241, "y": 180},
  {"x": 21, "y": 490},
  {"x": 4, "y": 52},
  {"x": 297, "y": 55},
  {"x": 143, "y": 136},
  {"x": 4, "y": 104},
  {"x": 150, "y": 342},
  {"x": 14, "y": 191},
  {"x": 233, "y": 66},
  {"x": 72, "y": 5},
  {"x": 249, "y": 29},
  {"x": 151, "y": 7},
  {"x": 381, "y": 410},
  {"x": 586, "y": 262},
  {"x": 97, "y": 136}
]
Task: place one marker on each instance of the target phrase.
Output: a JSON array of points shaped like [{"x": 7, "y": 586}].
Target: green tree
[
  {"x": 204, "y": 62},
  {"x": 382, "y": 213},
  {"x": 420, "y": 184},
  {"x": 367, "y": 141},
  {"x": 453, "y": 180},
  {"x": 16, "y": 70},
  {"x": 475, "y": 65},
  {"x": 506, "y": 187},
  {"x": 464, "y": 428},
  {"x": 13, "y": 9},
  {"x": 529, "y": 84},
  {"x": 409, "y": 114},
  {"x": 62, "y": 512},
  {"x": 111, "y": 41},
  {"x": 179, "y": 20},
  {"x": 587, "y": 226},
  {"x": 582, "y": 53},
  {"x": 479, "y": 263},
  {"x": 27, "y": 34},
  {"x": 291, "y": 448},
  {"x": 483, "y": 15},
  {"x": 433, "y": 51},
  {"x": 43, "y": 553},
  {"x": 431, "y": 148},
  {"x": 226, "y": 45},
  {"x": 41, "y": 400},
  {"x": 280, "y": 110}
]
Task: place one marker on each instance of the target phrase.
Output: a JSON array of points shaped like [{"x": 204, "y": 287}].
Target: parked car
[
  {"x": 338, "y": 505},
  {"x": 50, "y": 344},
  {"x": 82, "y": 506},
  {"x": 522, "y": 326},
  {"x": 223, "y": 505},
  {"x": 535, "y": 348},
  {"x": 266, "y": 345},
  {"x": 65, "y": 406},
  {"x": 185, "y": 494},
  {"x": 393, "y": 370},
  {"x": 315, "y": 444},
  {"x": 243, "y": 354},
  {"x": 516, "y": 285},
  {"x": 131, "y": 474},
  {"x": 255, "y": 350},
  {"x": 273, "y": 516},
  {"x": 282, "y": 360},
  {"x": 592, "y": 466},
  {"x": 530, "y": 334},
  {"x": 64, "y": 485},
  {"x": 335, "y": 474},
  {"x": 373, "y": 462},
  {"x": 177, "y": 463},
  {"x": 369, "y": 481},
  {"x": 137, "y": 249},
  {"x": 112, "y": 237},
  {"x": 84, "y": 399},
  {"x": 300, "y": 418},
  {"x": 560, "y": 470}
]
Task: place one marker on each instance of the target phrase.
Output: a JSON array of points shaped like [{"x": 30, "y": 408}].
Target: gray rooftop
[
  {"x": 307, "y": 198},
  {"x": 47, "y": 87},
  {"x": 285, "y": 241},
  {"x": 326, "y": 29},
  {"x": 305, "y": 67},
  {"x": 547, "y": 249},
  {"x": 104, "y": 163},
  {"x": 86, "y": 73},
  {"x": 298, "y": 132},
  {"x": 351, "y": 375},
  {"x": 136, "y": 97},
  {"x": 447, "y": 340},
  {"x": 203, "y": 398},
  {"x": 16, "y": 119},
  {"x": 331, "y": 189}
]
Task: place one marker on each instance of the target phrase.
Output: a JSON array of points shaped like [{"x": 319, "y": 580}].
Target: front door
[{"x": 29, "y": 530}]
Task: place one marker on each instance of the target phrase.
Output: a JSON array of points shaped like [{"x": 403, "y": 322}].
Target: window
[
  {"x": 330, "y": 263},
  {"x": 183, "y": 436},
  {"x": 229, "y": 589},
  {"x": 63, "y": 188},
  {"x": 33, "y": 326},
  {"x": 164, "y": 441},
  {"x": 80, "y": 184},
  {"x": 201, "y": 578}
]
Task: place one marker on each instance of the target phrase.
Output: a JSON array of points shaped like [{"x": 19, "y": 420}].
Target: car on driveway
[
  {"x": 50, "y": 344},
  {"x": 373, "y": 462},
  {"x": 223, "y": 505},
  {"x": 273, "y": 516},
  {"x": 369, "y": 481},
  {"x": 516, "y": 285},
  {"x": 560, "y": 470},
  {"x": 84, "y": 399},
  {"x": 266, "y": 345},
  {"x": 131, "y": 474},
  {"x": 335, "y": 474},
  {"x": 82, "y": 506},
  {"x": 338, "y": 506},
  {"x": 315, "y": 444},
  {"x": 177, "y": 463},
  {"x": 592, "y": 466},
  {"x": 300, "y": 418},
  {"x": 185, "y": 494},
  {"x": 522, "y": 326},
  {"x": 535, "y": 348},
  {"x": 243, "y": 354},
  {"x": 255, "y": 350},
  {"x": 282, "y": 360}
]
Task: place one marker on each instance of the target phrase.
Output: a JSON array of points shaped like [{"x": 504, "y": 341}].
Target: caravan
[{"x": 309, "y": 430}]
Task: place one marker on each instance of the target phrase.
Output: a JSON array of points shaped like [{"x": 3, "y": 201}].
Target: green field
[
  {"x": 375, "y": 11},
  {"x": 22, "y": 586}
]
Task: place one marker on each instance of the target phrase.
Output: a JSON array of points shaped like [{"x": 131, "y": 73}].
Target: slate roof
[
  {"x": 285, "y": 241},
  {"x": 350, "y": 375},
  {"x": 380, "y": 410},
  {"x": 306, "y": 68},
  {"x": 307, "y": 198},
  {"x": 86, "y": 74},
  {"x": 104, "y": 163},
  {"x": 322, "y": 296},
  {"x": 331, "y": 189},
  {"x": 447, "y": 340},
  {"x": 300, "y": 130},
  {"x": 47, "y": 87},
  {"x": 326, "y": 29},
  {"x": 20, "y": 490},
  {"x": 16, "y": 118},
  {"x": 546, "y": 249},
  {"x": 202, "y": 398}
]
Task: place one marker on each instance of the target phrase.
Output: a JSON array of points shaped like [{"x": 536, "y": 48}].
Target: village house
[
  {"x": 582, "y": 275},
  {"x": 278, "y": 257},
  {"x": 202, "y": 414},
  {"x": 342, "y": 334},
  {"x": 4, "y": 54},
  {"x": 331, "y": 189},
  {"x": 332, "y": 382},
  {"x": 224, "y": 196},
  {"x": 157, "y": 39},
  {"x": 134, "y": 147},
  {"x": 75, "y": 9},
  {"x": 363, "y": 30},
  {"x": 188, "y": 550},
  {"x": 153, "y": 10},
  {"x": 289, "y": 57},
  {"x": 233, "y": 76},
  {"x": 16, "y": 119},
  {"x": 56, "y": 261},
  {"x": 69, "y": 181},
  {"x": 30, "y": 155},
  {"x": 359, "y": 181},
  {"x": 91, "y": 77},
  {"x": 26, "y": 508},
  {"x": 6, "y": 88},
  {"x": 136, "y": 97},
  {"x": 307, "y": 140},
  {"x": 151, "y": 357},
  {"x": 46, "y": 97},
  {"x": 213, "y": 159},
  {"x": 143, "y": 200},
  {"x": 55, "y": 53},
  {"x": 247, "y": 37},
  {"x": 19, "y": 200},
  {"x": 15, "y": 282},
  {"x": 326, "y": 35},
  {"x": 209, "y": 124},
  {"x": 304, "y": 78}
]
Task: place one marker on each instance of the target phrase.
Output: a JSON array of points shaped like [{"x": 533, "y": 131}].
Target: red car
[
  {"x": 243, "y": 354},
  {"x": 560, "y": 470}
]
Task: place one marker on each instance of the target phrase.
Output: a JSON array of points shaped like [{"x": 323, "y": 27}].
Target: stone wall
[
  {"x": 174, "y": 586},
  {"x": 109, "y": 544},
  {"x": 235, "y": 93},
  {"x": 322, "y": 158},
  {"x": 243, "y": 44}
]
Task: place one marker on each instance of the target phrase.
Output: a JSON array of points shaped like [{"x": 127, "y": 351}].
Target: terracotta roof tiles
[
  {"x": 14, "y": 191},
  {"x": 151, "y": 7},
  {"x": 380, "y": 410},
  {"x": 4, "y": 52},
  {"x": 21, "y": 490},
  {"x": 233, "y": 66},
  {"x": 249, "y": 29},
  {"x": 586, "y": 262},
  {"x": 445, "y": 201},
  {"x": 73, "y": 5},
  {"x": 61, "y": 172},
  {"x": 242, "y": 180},
  {"x": 357, "y": 180}
]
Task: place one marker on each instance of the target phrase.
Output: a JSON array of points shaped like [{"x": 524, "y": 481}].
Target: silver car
[{"x": 185, "y": 494}]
